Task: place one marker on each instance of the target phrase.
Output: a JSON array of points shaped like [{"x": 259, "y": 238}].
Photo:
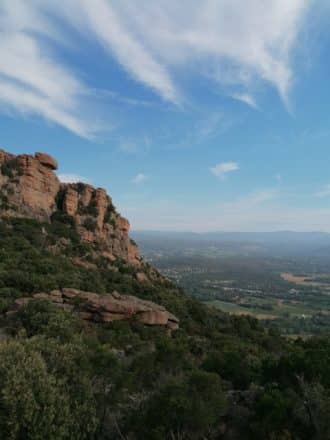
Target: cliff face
[{"x": 29, "y": 187}]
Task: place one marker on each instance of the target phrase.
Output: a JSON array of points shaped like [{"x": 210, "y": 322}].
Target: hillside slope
[{"x": 66, "y": 377}]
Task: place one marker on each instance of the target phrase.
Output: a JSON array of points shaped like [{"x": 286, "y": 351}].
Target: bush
[
  {"x": 36, "y": 401},
  {"x": 187, "y": 407},
  {"x": 110, "y": 214},
  {"x": 40, "y": 316},
  {"x": 10, "y": 167},
  {"x": 62, "y": 217},
  {"x": 90, "y": 224},
  {"x": 90, "y": 209}
]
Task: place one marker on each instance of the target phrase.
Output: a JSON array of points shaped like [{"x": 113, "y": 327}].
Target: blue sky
[{"x": 201, "y": 116}]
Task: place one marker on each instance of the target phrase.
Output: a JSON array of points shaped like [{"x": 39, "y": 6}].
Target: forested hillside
[{"x": 64, "y": 377}]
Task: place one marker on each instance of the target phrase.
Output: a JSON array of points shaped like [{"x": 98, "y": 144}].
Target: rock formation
[
  {"x": 29, "y": 187},
  {"x": 105, "y": 308}
]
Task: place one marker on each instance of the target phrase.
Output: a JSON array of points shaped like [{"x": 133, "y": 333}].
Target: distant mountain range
[{"x": 237, "y": 236}]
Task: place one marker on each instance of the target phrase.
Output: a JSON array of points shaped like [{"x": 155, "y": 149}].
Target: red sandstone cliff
[{"x": 29, "y": 187}]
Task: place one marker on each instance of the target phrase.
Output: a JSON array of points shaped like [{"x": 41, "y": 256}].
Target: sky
[{"x": 208, "y": 115}]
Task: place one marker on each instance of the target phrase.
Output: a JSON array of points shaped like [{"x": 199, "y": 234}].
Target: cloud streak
[
  {"x": 246, "y": 98},
  {"x": 232, "y": 43},
  {"x": 32, "y": 81},
  {"x": 239, "y": 41},
  {"x": 140, "y": 178},
  {"x": 222, "y": 169}
]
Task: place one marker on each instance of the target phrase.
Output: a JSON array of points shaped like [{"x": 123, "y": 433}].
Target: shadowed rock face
[
  {"x": 30, "y": 188},
  {"x": 106, "y": 308}
]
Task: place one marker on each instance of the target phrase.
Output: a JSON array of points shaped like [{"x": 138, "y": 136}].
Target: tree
[
  {"x": 35, "y": 403},
  {"x": 186, "y": 408}
]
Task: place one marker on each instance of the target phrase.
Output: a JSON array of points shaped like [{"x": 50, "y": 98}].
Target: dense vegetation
[{"x": 218, "y": 377}]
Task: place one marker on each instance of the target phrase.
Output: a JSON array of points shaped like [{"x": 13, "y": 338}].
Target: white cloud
[
  {"x": 221, "y": 169},
  {"x": 140, "y": 178},
  {"x": 117, "y": 97},
  {"x": 72, "y": 178},
  {"x": 233, "y": 42},
  {"x": 324, "y": 192},
  {"x": 32, "y": 81},
  {"x": 246, "y": 98},
  {"x": 238, "y": 41},
  {"x": 112, "y": 30}
]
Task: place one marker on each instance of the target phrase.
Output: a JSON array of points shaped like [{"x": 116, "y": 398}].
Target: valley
[{"x": 288, "y": 292}]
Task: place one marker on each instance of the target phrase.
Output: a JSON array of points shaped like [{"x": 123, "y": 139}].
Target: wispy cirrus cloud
[
  {"x": 222, "y": 169},
  {"x": 231, "y": 43},
  {"x": 246, "y": 98},
  {"x": 32, "y": 80},
  {"x": 236, "y": 42}
]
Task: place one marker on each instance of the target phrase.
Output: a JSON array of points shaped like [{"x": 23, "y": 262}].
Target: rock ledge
[{"x": 105, "y": 308}]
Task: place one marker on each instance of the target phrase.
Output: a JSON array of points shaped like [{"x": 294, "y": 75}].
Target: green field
[{"x": 256, "y": 308}]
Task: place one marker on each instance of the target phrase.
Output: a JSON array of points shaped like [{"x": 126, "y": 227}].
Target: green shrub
[
  {"x": 90, "y": 209},
  {"x": 37, "y": 402},
  {"x": 90, "y": 224},
  {"x": 186, "y": 406},
  {"x": 110, "y": 215},
  {"x": 10, "y": 168},
  {"x": 3, "y": 200},
  {"x": 62, "y": 217}
]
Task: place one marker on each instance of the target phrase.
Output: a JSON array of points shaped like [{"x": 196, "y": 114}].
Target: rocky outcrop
[
  {"x": 5, "y": 156},
  {"x": 106, "y": 308},
  {"x": 46, "y": 160},
  {"x": 29, "y": 187},
  {"x": 98, "y": 222}
]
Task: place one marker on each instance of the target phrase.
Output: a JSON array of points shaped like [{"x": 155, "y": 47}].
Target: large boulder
[
  {"x": 106, "y": 308},
  {"x": 47, "y": 160}
]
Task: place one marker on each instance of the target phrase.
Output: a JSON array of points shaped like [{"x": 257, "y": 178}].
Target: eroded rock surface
[
  {"x": 106, "y": 308},
  {"x": 28, "y": 186}
]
